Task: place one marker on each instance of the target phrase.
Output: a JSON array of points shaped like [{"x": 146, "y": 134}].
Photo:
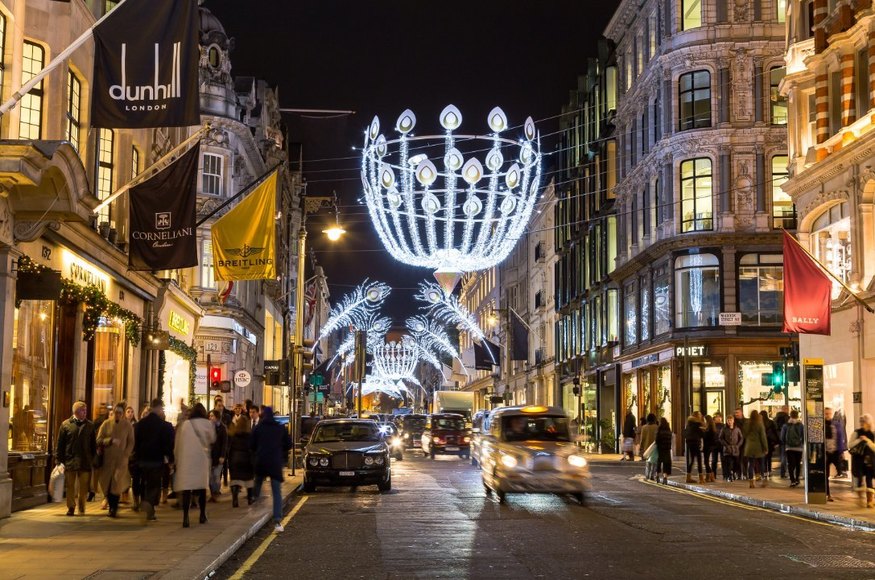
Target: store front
[{"x": 180, "y": 316}]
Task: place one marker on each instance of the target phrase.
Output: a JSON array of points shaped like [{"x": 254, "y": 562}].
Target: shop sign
[
  {"x": 82, "y": 272},
  {"x": 645, "y": 360},
  {"x": 272, "y": 366},
  {"x": 178, "y": 323},
  {"x": 242, "y": 378},
  {"x": 691, "y": 351},
  {"x": 730, "y": 319},
  {"x": 200, "y": 381}
]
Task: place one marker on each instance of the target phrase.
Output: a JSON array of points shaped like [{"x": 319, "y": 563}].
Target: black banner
[
  {"x": 519, "y": 337},
  {"x": 146, "y": 66},
  {"x": 485, "y": 355},
  {"x": 163, "y": 216}
]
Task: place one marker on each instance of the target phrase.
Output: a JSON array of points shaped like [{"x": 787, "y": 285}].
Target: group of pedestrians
[
  {"x": 744, "y": 448},
  {"x": 146, "y": 456}
]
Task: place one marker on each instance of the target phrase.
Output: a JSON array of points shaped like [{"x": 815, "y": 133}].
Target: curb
[{"x": 807, "y": 513}]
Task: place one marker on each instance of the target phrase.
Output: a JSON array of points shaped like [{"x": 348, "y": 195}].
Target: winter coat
[
  {"x": 240, "y": 458},
  {"x": 114, "y": 476},
  {"x": 773, "y": 435},
  {"x": 756, "y": 444},
  {"x": 648, "y": 435},
  {"x": 629, "y": 426},
  {"x": 153, "y": 440},
  {"x": 791, "y": 424},
  {"x": 838, "y": 423},
  {"x": 693, "y": 434},
  {"x": 663, "y": 442},
  {"x": 192, "y": 453},
  {"x": 731, "y": 440},
  {"x": 709, "y": 440},
  {"x": 862, "y": 464},
  {"x": 76, "y": 446},
  {"x": 270, "y": 442},
  {"x": 718, "y": 431},
  {"x": 219, "y": 449}
]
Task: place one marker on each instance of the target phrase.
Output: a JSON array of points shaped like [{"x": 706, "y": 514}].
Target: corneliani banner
[
  {"x": 146, "y": 66},
  {"x": 807, "y": 292},
  {"x": 163, "y": 215}
]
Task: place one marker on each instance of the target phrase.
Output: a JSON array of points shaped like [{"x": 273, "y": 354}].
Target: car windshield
[
  {"x": 448, "y": 423},
  {"x": 534, "y": 428},
  {"x": 414, "y": 423},
  {"x": 346, "y": 432}
]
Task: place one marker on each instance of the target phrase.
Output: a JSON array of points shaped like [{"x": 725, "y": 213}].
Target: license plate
[
  {"x": 347, "y": 473},
  {"x": 417, "y": 443},
  {"x": 452, "y": 448}
]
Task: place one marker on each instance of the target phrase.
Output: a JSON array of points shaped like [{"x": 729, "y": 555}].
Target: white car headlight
[
  {"x": 369, "y": 460},
  {"x": 509, "y": 461},
  {"x": 313, "y": 460},
  {"x": 324, "y": 462},
  {"x": 577, "y": 461},
  {"x": 379, "y": 460}
]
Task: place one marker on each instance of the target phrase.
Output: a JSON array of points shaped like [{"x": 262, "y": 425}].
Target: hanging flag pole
[
  {"x": 829, "y": 273},
  {"x": 150, "y": 171},
  {"x": 243, "y": 191},
  {"x": 53, "y": 64}
]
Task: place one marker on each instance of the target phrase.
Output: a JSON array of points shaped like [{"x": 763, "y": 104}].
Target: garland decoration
[
  {"x": 97, "y": 305},
  {"x": 162, "y": 368}
]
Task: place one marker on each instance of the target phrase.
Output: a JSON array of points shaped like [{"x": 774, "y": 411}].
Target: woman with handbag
[
  {"x": 862, "y": 448},
  {"x": 194, "y": 438}
]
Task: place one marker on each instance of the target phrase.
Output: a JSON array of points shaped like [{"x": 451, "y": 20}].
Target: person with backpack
[{"x": 793, "y": 438}]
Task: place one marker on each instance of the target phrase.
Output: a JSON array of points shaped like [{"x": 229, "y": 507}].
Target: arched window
[
  {"x": 697, "y": 290},
  {"x": 697, "y": 204},
  {"x": 694, "y": 100},
  {"x": 831, "y": 243},
  {"x": 213, "y": 56}
]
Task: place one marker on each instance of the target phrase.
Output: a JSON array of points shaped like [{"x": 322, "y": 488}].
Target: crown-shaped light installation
[
  {"x": 396, "y": 360},
  {"x": 452, "y": 212}
]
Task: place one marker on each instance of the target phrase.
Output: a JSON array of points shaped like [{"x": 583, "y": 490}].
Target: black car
[
  {"x": 347, "y": 452},
  {"x": 411, "y": 428}
]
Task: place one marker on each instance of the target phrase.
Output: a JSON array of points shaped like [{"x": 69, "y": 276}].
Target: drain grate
[
  {"x": 121, "y": 575},
  {"x": 830, "y": 561}
]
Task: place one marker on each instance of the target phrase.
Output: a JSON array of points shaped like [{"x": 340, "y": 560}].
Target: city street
[{"x": 437, "y": 522}]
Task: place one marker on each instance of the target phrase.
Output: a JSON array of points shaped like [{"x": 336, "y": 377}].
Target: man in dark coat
[
  {"x": 76, "y": 449},
  {"x": 781, "y": 418},
  {"x": 218, "y": 455},
  {"x": 153, "y": 448},
  {"x": 271, "y": 443}
]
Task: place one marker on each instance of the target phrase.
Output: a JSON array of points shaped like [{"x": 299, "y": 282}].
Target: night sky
[{"x": 379, "y": 57}]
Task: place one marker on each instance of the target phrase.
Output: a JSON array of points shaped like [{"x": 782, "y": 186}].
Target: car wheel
[
  {"x": 308, "y": 486},
  {"x": 502, "y": 496},
  {"x": 385, "y": 485}
]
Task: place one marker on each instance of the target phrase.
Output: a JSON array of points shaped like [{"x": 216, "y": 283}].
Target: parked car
[
  {"x": 411, "y": 428},
  {"x": 530, "y": 450},
  {"x": 347, "y": 452},
  {"x": 445, "y": 434},
  {"x": 480, "y": 423}
]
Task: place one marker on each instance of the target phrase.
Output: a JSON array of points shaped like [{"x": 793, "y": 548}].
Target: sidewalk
[
  {"x": 43, "y": 542},
  {"x": 845, "y": 510}
]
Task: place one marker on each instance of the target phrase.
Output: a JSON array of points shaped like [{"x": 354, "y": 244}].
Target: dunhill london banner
[
  {"x": 146, "y": 66},
  {"x": 244, "y": 239},
  {"x": 163, "y": 215},
  {"x": 807, "y": 292}
]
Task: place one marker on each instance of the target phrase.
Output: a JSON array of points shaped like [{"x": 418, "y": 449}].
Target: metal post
[{"x": 297, "y": 358}]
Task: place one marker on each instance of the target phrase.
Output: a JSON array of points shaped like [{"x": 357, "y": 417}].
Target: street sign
[
  {"x": 730, "y": 319},
  {"x": 316, "y": 398},
  {"x": 242, "y": 378},
  {"x": 815, "y": 431}
]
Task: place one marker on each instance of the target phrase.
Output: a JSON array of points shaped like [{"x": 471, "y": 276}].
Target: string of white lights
[
  {"x": 357, "y": 305},
  {"x": 447, "y": 309}
]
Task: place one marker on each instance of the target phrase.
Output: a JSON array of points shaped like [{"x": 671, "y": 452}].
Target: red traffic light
[{"x": 215, "y": 374}]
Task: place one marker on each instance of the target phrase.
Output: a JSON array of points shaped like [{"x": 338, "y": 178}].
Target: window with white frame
[
  {"x": 211, "y": 183},
  {"x": 697, "y": 290},
  {"x": 74, "y": 109},
  {"x": 694, "y": 100},
  {"x": 105, "y": 170},
  {"x": 208, "y": 278},
  {"x": 761, "y": 289},
  {"x": 783, "y": 210},
  {"x": 697, "y": 203},
  {"x": 831, "y": 243},
  {"x": 31, "y": 104}
]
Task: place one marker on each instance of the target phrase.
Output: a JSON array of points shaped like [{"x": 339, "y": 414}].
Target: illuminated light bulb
[{"x": 334, "y": 233}]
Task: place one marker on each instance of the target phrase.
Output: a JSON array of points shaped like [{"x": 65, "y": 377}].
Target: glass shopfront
[
  {"x": 630, "y": 395},
  {"x": 758, "y": 397},
  {"x": 708, "y": 387},
  {"x": 176, "y": 373},
  {"x": 32, "y": 347},
  {"x": 838, "y": 393},
  {"x": 110, "y": 364},
  {"x": 663, "y": 392}
]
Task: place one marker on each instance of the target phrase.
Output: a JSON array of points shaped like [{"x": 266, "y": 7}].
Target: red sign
[{"x": 807, "y": 292}]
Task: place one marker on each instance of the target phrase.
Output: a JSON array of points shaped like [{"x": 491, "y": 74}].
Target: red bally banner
[{"x": 807, "y": 292}]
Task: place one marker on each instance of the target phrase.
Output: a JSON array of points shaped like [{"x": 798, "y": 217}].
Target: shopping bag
[{"x": 56, "y": 483}]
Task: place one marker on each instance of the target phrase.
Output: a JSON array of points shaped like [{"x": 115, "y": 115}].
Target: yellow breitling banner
[{"x": 244, "y": 239}]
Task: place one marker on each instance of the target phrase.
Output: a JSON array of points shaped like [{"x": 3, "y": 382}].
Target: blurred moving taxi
[{"x": 531, "y": 450}]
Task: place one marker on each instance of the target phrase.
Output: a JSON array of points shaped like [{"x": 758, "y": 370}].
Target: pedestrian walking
[
  {"x": 153, "y": 448},
  {"x": 839, "y": 427},
  {"x": 741, "y": 464},
  {"x": 781, "y": 418},
  {"x": 709, "y": 444},
  {"x": 240, "y": 460},
  {"x": 191, "y": 452},
  {"x": 717, "y": 447},
  {"x": 218, "y": 455},
  {"x": 663, "y": 446},
  {"x": 731, "y": 440},
  {"x": 693, "y": 434},
  {"x": 862, "y": 448},
  {"x": 254, "y": 416},
  {"x": 793, "y": 439},
  {"x": 629, "y": 428},
  {"x": 76, "y": 451},
  {"x": 115, "y": 440},
  {"x": 648, "y": 432},
  {"x": 271, "y": 443},
  {"x": 136, "y": 489},
  {"x": 755, "y": 447},
  {"x": 773, "y": 436}
]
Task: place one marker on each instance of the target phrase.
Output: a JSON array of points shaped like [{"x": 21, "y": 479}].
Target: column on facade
[
  {"x": 725, "y": 92},
  {"x": 849, "y": 113},
  {"x": 758, "y": 91},
  {"x": 871, "y": 65},
  {"x": 668, "y": 191},
  {"x": 761, "y": 179},
  {"x": 821, "y": 104},
  {"x": 725, "y": 188},
  {"x": 666, "y": 107},
  {"x": 821, "y": 11}
]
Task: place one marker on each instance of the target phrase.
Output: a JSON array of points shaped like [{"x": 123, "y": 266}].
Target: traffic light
[
  {"x": 778, "y": 376},
  {"x": 216, "y": 378},
  {"x": 306, "y": 351}
]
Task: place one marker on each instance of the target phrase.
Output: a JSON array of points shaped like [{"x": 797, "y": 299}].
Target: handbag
[{"x": 859, "y": 449}]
